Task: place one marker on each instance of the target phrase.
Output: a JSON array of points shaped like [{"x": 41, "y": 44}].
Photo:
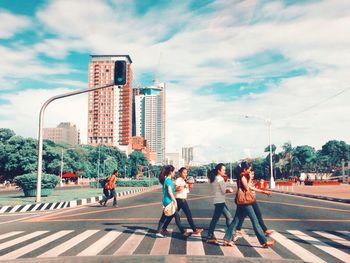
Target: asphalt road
[{"x": 306, "y": 230}]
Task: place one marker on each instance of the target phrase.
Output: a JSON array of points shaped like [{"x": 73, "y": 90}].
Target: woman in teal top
[{"x": 166, "y": 176}]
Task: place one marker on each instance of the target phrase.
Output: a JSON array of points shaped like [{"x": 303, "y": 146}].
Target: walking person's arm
[{"x": 171, "y": 194}]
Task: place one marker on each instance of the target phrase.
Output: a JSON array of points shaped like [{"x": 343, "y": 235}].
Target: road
[{"x": 306, "y": 230}]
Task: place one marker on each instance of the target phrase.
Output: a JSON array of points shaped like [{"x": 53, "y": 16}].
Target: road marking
[
  {"x": 28, "y": 248},
  {"x": 162, "y": 245},
  {"x": 265, "y": 253},
  {"x": 21, "y": 239},
  {"x": 58, "y": 250},
  {"x": 15, "y": 208},
  {"x": 25, "y": 208},
  {"x": 322, "y": 246},
  {"x": 228, "y": 251},
  {"x": 131, "y": 243},
  {"x": 10, "y": 234},
  {"x": 99, "y": 245},
  {"x": 296, "y": 249},
  {"x": 334, "y": 238},
  {"x": 195, "y": 245}
]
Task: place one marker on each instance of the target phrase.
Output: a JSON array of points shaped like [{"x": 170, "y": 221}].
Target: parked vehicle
[{"x": 201, "y": 179}]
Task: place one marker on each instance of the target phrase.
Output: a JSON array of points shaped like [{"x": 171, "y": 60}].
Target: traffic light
[{"x": 120, "y": 72}]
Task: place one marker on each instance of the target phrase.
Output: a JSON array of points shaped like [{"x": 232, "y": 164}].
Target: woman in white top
[
  {"x": 181, "y": 190},
  {"x": 216, "y": 178}
]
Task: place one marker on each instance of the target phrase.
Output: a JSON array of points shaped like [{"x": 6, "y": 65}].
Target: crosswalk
[{"x": 308, "y": 246}]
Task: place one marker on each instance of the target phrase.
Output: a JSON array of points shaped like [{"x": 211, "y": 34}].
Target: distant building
[
  {"x": 175, "y": 160},
  {"x": 187, "y": 154},
  {"x": 138, "y": 143},
  {"x": 149, "y": 119},
  {"x": 64, "y": 133},
  {"x": 110, "y": 109}
]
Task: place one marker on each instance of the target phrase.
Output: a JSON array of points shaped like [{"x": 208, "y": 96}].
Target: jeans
[
  {"x": 220, "y": 208},
  {"x": 182, "y": 204},
  {"x": 112, "y": 194},
  {"x": 165, "y": 218},
  {"x": 241, "y": 212},
  {"x": 258, "y": 215}
]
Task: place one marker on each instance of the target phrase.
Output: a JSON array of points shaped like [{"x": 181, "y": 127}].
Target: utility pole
[
  {"x": 272, "y": 180},
  {"x": 98, "y": 166},
  {"x": 61, "y": 173},
  {"x": 343, "y": 169}
]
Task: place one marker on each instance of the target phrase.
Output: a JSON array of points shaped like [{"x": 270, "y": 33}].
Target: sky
[{"x": 230, "y": 67}]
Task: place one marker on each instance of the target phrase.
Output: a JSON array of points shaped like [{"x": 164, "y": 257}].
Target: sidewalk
[
  {"x": 337, "y": 193},
  {"x": 62, "y": 199}
]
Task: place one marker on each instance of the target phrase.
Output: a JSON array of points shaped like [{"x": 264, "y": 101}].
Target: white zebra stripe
[
  {"x": 297, "y": 250},
  {"x": 100, "y": 244},
  {"x": 28, "y": 248},
  {"x": 131, "y": 243},
  {"x": 10, "y": 234},
  {"x": 60, "y": 249},
  {"x": 228, "y": 251},
  {"x": 25, "y": 208},
  {"x": 322, "y": 246},
  {"x": 334, "y": 238},
  {"x": 162, "y": 245},
  {"x": 45, "y": 205},
  {"x": 36, "y": 207},
  {"x": 195, "y": 245},
  {"x": 3, "y": 209},
  {"x": 18, "y": 240},
  {"x": 265, "y": 253},
  {"x": 15, "y": 208}
]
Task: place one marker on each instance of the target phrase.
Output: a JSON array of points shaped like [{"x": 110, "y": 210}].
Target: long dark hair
[
  {"x": 166, "y": 170},
  {"x": 212, "y": 174},
  {"x": 181, "y": 170}
]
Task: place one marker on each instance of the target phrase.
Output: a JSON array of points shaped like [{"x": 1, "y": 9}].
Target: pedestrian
[
  {"x": 219, "y": 187},
  {"x": 109, "y": 190},
  {"x": 166, "y": 175},
  {"x": 244, "y": 210},
  {"x": 255, "y": 205},
  {"x": 182, "y": 188}
]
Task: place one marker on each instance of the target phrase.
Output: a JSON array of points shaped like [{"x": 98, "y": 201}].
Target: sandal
[
  {"x": 269, "y": 243},
  {"x": 228, "y": 243}
]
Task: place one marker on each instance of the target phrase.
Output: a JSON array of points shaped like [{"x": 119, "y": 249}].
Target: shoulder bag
[{"x": 244, "y": 197}]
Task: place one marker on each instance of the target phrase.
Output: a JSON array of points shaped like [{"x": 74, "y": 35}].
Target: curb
[
  {"x": 339, "y": 200},
  {"x": 64, "y": 204}
]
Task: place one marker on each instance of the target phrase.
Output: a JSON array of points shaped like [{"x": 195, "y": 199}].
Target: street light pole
[
  {"x": 61, "y": 173},
  {"x": 98, "y": 166},
  {"x": 40, "y": 132},
  {"x": 272, "y": 180}
]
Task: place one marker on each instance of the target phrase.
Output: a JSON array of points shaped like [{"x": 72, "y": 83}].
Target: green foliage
[
  {"x": 137, "y": 183},
  {"x": 28, "y": 181}
]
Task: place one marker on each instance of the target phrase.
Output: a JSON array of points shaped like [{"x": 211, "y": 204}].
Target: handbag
[
  {"x": 244, "y": 197},
  {"x": 170, "y": 209}
]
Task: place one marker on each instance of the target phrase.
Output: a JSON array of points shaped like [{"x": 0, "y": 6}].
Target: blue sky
[{"x": 220, "y": 59}]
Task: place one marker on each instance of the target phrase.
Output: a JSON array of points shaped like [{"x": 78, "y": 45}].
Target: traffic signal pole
[{"x": 40, "y": 133}]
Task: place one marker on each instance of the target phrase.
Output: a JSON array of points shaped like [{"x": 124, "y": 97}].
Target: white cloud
[
  {"x": 206, "y": 49},
  {"x": 11, "y": 24},
  {"x": 22, "y": 112}
]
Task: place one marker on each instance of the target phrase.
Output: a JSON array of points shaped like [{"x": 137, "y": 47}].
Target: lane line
[
  {"x": 334, "y": 238},
  {"x": 161, "y": 246},
  {"x": 321, "y": 245},
  {"x": 131, "y": 244},
  {"x": 28, "y": 248},
  {"x": 21, "y": 239},
  {"x": 296, "y": 249},
  {"x": 100, "y": 244},
  {"x": 60, "y": 249}
]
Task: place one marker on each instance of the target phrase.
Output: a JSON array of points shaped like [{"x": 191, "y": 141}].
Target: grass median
[{"x": 58, "y": 195}]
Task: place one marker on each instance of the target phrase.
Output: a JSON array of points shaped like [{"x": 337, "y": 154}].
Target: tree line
[{"x": 18, "y": 155}]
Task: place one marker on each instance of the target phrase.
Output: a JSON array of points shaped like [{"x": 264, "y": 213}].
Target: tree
[
  {"x": 335, "y": 151},
  {"x": 306, "y": 156},
  {"x": 137, "y": 159},
  {"x": 6, "y": 134}
]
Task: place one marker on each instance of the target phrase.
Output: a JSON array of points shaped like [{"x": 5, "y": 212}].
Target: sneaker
[
  {"x": 160, "y": 235},
  {"x": 185, "y": 234},
  {"x": 269, "y": 243},
  {"x": 198, "y": 230},
  {"x": 268, "y": 232},
  {"x": 238, "y": 234}
]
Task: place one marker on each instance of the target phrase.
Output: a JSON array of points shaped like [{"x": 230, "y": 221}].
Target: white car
[{"x": 201, "y": 179}]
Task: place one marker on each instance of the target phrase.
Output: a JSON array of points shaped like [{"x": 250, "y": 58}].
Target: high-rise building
[
  {"x": 187, "y": 154},
  {"x": 110, "y": 109},
  {"x": 65, "y": 132},
  {"x": 149, "y": 106},
  {"x": 175, "y": 160}
]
